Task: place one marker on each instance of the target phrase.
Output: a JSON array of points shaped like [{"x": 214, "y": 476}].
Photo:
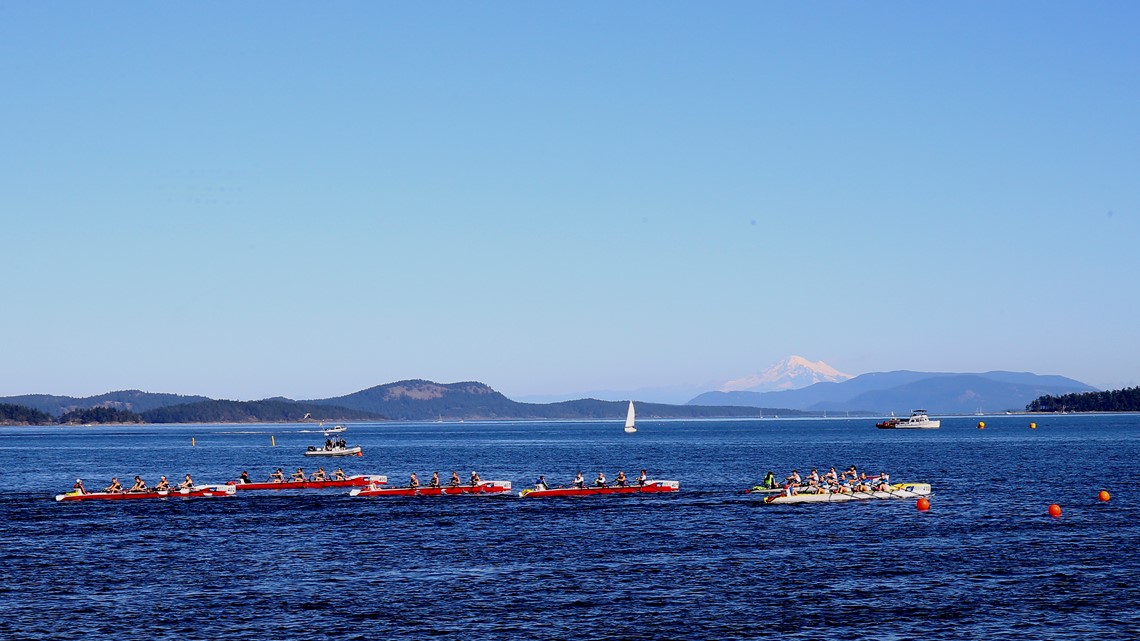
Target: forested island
[{"x": 1122, "y": 400}]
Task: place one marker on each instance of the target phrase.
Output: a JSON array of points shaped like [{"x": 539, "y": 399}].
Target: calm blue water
[{"x": 708, "y": 563}]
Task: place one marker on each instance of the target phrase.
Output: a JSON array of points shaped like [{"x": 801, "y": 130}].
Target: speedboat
[
  {"x": 649, "y": 487},
  {"x": 335, "y": 430},
  {"x": 485, "y": 487},
  {"x": 918, "y": 420},
  {"x": 195, "y": 492},
  {"x": 359, "y": 480},
  {"x": 334, "y": 451},
  {"x": 896, "y": 491}
]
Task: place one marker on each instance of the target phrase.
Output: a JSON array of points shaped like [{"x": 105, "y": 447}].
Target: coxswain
[
  {"x": 139, "y": 486},
  {"x": 319, "y": 475},
  {"x": 187, "y": 483},
  {"x": 434, "y": 482},
  {"x": 601, "y": 480},
  {"x": 244, "y": 478},
  {"x": 642, "y": 478},
  {"x": 579, "y": 481},
  {"x": 769, "y": 482},
  {"x": 114, "y": 487},
  {"x": 454, "y": 482},
  {"x": 162, "y": 486},
  {"x": 540, "y": 484},
  {"x": 338, "y": 475},
  {"x": 475, "y": 480},
  {"x": 78, "y": 487},
  {"x": 619, "y": 480},
  {"x": 413, "y": 482},
  {"x": 298, "y": 476},
  {"x": 277, "y": 477}
]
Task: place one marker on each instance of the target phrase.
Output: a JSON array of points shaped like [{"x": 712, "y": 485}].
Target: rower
[
  {"x": 831, "y": 477},
  {"x": 114, "y": 487},
  {"x": 162, "y": 486},
  {"x": 139, "y": 486},
  {"x": 540, "y": 484},
  {"x": 244, "y": 478},
  {"x": 641, "y": 478},
  {"x": 793, "y": 478},
  {"x": 475, "y": 480},
  {"x": 277, "y": 477},
  {"x": 619, "y": 480},
  {"x": 187, "y": 483},
  {"x": 884, "y": 482},
  {"x": 852, "y": 472},
  {"x": 434, "y": 482},
  {"x": 298, "y": 476},
  {"x": 601, "y": 480},
  {"x": 338, "y": 475},
  {"x": 413, "y": 482},
  {"x": 454, "y": 482},
  {"x": 579, "y": 481},
  {"x": 78, "y": 487},
  {"x": 319, "y": 475}
]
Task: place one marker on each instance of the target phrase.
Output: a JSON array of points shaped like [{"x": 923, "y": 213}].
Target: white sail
[{"x": 629, "y": 419}]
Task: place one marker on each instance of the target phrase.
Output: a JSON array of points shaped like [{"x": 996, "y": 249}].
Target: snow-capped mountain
[{"x": 793, "y": 372}]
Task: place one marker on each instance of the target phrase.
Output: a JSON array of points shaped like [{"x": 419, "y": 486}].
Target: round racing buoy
[
  {"x": 981, "y": 425},
  {"x": 1054, "y": 510},
  {"x": 1104, "y": 495},
  {"x": 923, "y": 504}
]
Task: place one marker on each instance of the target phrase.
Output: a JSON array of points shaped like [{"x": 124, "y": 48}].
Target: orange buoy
[
  {"x": 981, "y": 425},
  {"x": 1054, "y": 510},
  {"x": 923, "y": 504},
  {"x": 1104, "y": 495}
]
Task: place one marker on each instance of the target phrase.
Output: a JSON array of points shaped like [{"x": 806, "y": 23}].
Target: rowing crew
[
  {"x": 139, "y": 486},
  {"x": 600, "y": 481},
  {"x": 414, "y": 481},
  {"x": 297, "y": 477},
  {"x": 850, "y": 480}
]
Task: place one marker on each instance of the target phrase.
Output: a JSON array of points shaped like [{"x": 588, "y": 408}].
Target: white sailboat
[{"x": 629, "y": 420}]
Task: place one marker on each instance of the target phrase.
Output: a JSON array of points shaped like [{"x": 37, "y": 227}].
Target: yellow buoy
[
  {"x": 1033, "y": 426},
  {"x": 192, "y": 442},
  {"x": 981, "y": 425},
  {"x": 272, "y": 441}
]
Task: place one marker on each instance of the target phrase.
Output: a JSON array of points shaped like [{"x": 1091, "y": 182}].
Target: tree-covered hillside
[
  {"x": 21, "y": 415},
  {"x": 275, "y": 411},
  {"x": 1123, "y": 400},
  {"x": 99, "y": 415}
]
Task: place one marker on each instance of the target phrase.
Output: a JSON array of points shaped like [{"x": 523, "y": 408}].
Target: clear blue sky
[{"x": 250, "y": 199}]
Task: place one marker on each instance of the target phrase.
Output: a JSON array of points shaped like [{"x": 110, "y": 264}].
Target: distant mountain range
[
  {"x": 902, "y": 391},
  {"x": 404, "y": 400}
]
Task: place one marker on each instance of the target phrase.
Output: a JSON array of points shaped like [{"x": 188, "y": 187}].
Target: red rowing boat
[
  {"x": 360, "y": 480},
  {"x": 486, "y": 487},
  {"x": 649, "y": 487},
  {"x": 197, "y": 491}
]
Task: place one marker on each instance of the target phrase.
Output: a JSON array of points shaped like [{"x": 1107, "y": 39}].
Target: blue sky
[{"x": 254, "y": 199}]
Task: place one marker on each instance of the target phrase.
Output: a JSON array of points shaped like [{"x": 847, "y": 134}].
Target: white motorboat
[
  {"x": 918, "y": 421},
  {"x": 334, "y": 451}
]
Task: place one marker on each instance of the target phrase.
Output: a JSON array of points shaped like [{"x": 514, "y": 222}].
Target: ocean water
[{"x": 710, "y": 562}]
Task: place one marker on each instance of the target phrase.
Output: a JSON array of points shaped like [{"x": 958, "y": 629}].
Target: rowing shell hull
[
  {"x": 486, "y": 487},
  {"x": 359, "y": 480},
  {"x": 650, "y": 487},
  {"x": 898, "y": 491},
  {"x": 340, "y": 451},
  {"x": 198, "y": 491}
]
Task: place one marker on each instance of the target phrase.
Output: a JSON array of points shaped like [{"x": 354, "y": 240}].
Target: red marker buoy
[
  {"x": 923, "y": 504},
  {"x": 1104, "y": 495},
  {"x": 1054, "y": 510}
]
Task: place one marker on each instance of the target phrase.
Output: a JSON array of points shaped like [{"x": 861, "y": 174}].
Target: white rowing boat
[{"x": 897, "y": 491}]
